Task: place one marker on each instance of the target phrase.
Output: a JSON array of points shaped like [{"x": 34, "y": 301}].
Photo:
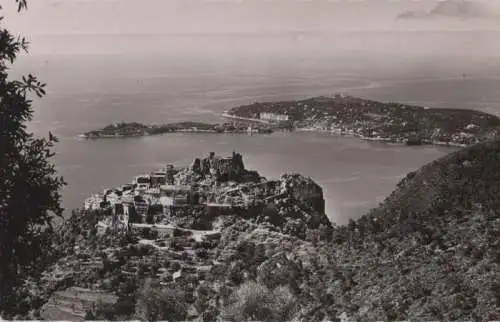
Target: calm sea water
[{"x": 88, "y": 90}]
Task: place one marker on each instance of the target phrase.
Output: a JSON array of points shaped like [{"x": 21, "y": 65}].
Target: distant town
[{"x": 372, "y": 120}]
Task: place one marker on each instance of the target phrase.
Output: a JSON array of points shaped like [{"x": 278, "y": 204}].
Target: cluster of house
[
  {"x": 273, "y": 117},
  {"x": 209, "y": 183}
]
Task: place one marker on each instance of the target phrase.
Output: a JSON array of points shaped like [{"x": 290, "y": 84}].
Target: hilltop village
[
  {"x": 175, "y": 228},
  {"x": 372, "y": 120},
  {"x": 192, "y": 197}
]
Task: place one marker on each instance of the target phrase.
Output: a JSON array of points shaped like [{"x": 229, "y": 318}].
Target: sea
[{"x": 95, "y": 80}]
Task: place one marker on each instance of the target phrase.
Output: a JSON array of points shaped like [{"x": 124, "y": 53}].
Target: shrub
[
  {"x": 495, "y": 290},
  {"x": 203, "y": 294},
  {"x": 175, "y": 266},
  {"x": 146, "y": 233},
  {"x": 125, "y": 306},
  {"x": 155, "y": 303},
  {"x": 105, "y": 312},
  {"x": 202, "y": 253},
  {"x": 254, "y": 301},
  {"x": 180, "y": 233},
  {"x": 146, "y": 250},
  {"x": 236, "y": 274},
  {"x": 204, "y": 244},
  {"x": 176, "y": 246},
  {"x": 210, "y": 315},
  {"x": 185, "y": 255},
  {"x": 89, "y": 315}
]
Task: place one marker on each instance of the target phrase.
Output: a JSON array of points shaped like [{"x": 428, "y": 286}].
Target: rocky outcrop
[
  {"x": 204, "y": 248},
  {"x": 304, "y": 190},
  {"x": 279, "y": 270},
  {"x": 223, "y": 169}
]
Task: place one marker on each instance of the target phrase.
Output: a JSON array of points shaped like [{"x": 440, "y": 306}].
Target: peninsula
[
  {"x": 372, "y": 120},
  {"x": 134, "y": 129}
]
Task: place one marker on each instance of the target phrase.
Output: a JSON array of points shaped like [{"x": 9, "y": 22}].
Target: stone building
[{"x": 272, "y": 117}]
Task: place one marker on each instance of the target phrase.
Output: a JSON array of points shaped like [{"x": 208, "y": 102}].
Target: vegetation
[
  {"x": 255, "y": 302},
  {"x": 155, "y": 303},
  {"x": 29, "y": 185},
  {"x": 123, "y": 129},
  {"x": 428, "y": 251}
]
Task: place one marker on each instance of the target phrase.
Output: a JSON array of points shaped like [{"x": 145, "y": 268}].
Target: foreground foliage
[{"x": 29, "y": 185}]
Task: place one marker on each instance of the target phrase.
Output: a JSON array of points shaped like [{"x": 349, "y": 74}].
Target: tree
[
  {"x": 255, "y": 302},
  {"x": 29, "y": 185},
  {"x": 89, "y": 316},
  {"x": 156, "y": 303}
]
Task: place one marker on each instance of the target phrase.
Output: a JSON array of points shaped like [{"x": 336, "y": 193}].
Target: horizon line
[{"x": 285, "y": 32}]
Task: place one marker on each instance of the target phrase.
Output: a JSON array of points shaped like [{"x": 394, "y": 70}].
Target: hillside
[
  {"x": 202, "y": 229},
  {"x": 430, "y": 251},
  {"x": 367, "y": 119}
]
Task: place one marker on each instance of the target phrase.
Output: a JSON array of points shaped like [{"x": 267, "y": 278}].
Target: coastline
[
  {"x": 127, "y": 130},
  {"x": 235, "y": 117},
  {"x": 384, "y": 140},
  {"x": 382, "y": 122},
  {"x": 352, "y": 135},
  {"x": 374, "y": 121},
  {"x": 337, "y": 133}
]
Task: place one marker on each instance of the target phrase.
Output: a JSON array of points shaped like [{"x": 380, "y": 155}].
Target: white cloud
[{"x": 179, "y": 16}]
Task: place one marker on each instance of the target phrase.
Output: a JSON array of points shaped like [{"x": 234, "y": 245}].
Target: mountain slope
[
  {"x": 455, "y": 185},
  {"x": 431, "y": 249}
]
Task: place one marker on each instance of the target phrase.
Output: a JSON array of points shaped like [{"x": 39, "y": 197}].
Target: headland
[
  {"x": 372, "y": 120},
  {"x": 134, "y": 129}
]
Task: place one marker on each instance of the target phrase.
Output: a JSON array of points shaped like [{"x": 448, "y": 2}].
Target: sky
[{"x": 46, "y": 17}]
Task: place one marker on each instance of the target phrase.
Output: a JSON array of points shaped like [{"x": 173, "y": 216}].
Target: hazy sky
[{"x": 200, "y": 16}]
